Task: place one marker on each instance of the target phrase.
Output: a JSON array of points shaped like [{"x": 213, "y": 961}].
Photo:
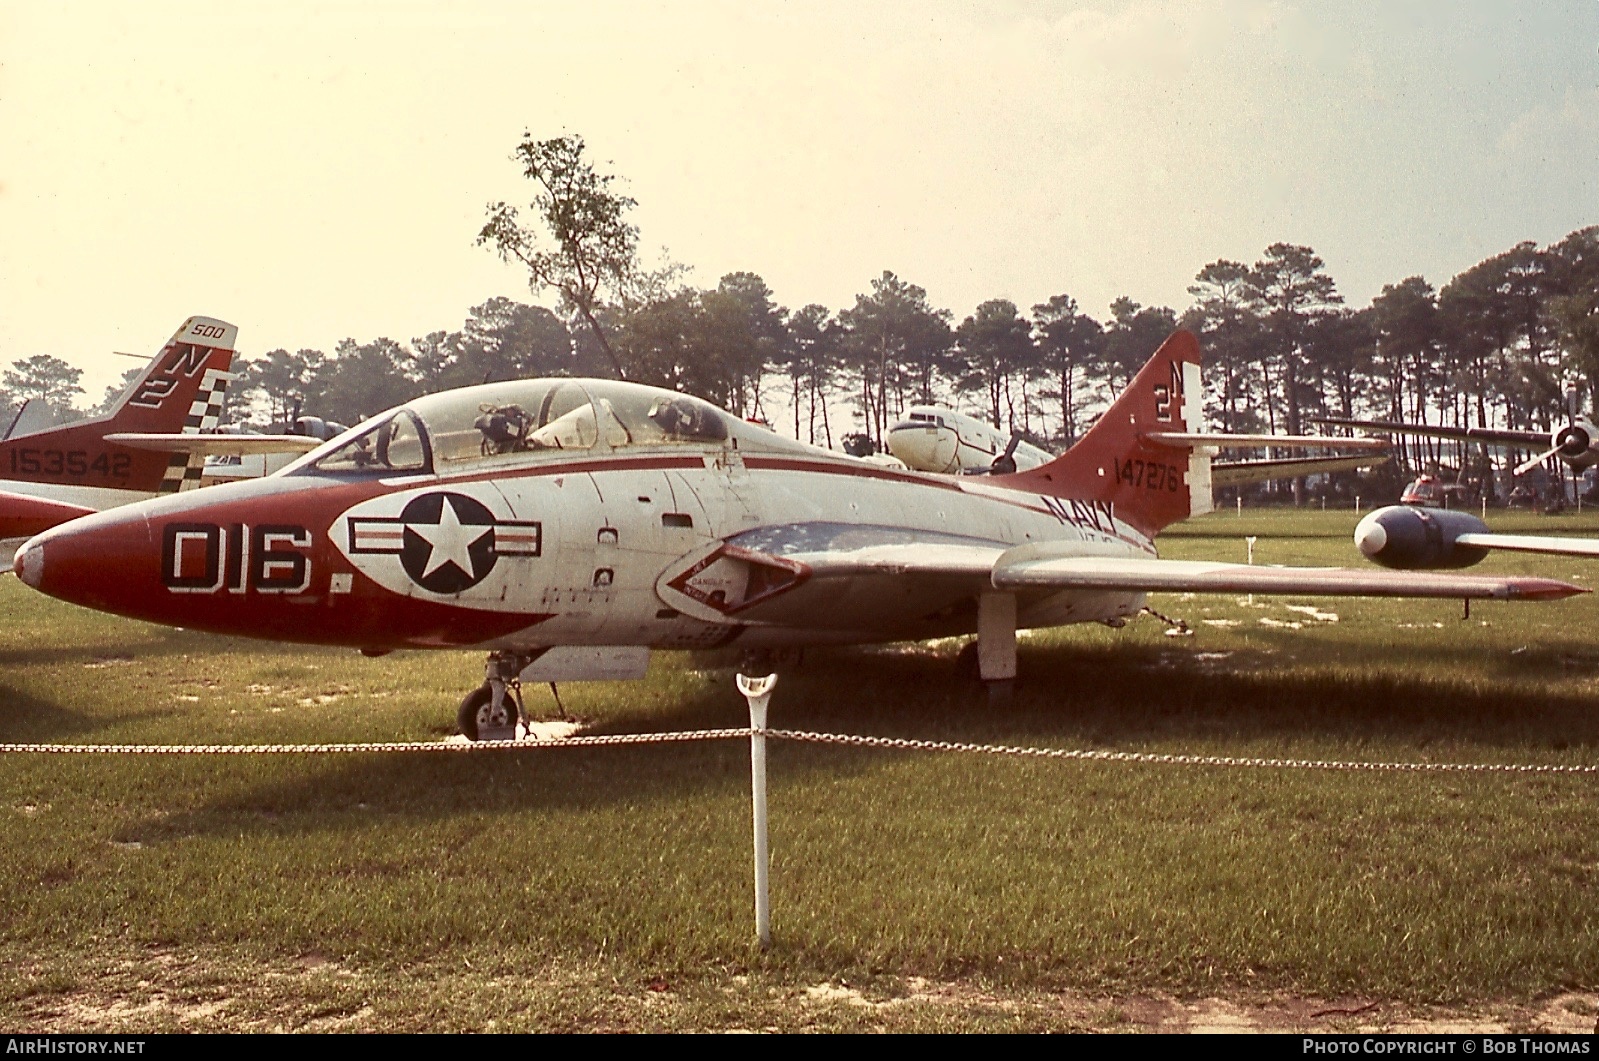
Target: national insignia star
[{"x": 451, "y": 540}]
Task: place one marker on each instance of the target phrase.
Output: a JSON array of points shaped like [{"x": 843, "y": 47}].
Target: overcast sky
[{"x": 311, "y": 172}]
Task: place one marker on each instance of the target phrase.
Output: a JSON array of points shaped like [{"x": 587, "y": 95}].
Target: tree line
[{"x": 1495, "y": 346}]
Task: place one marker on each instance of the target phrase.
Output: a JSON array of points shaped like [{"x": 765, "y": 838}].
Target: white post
[
  {"x": 1240, "y": 504},
  {"x": 1250, "y": 543},
  {"x": 758, "y": 692}
]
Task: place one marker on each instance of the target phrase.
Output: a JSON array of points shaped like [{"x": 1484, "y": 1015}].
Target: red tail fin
[
  {"x": 181, "y": 390},
  {"x": 1149, "y": 485}
]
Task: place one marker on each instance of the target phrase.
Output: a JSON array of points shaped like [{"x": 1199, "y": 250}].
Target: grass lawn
[{"x": 610, "y": 888}]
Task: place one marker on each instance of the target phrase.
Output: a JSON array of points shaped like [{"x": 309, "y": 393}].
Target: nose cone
[
  {"x": 28, "y": 565},
  {"x": 105, "y": 561},
  {"x": 1370, "y": 535},
  {"x": 923, "y": 446}
]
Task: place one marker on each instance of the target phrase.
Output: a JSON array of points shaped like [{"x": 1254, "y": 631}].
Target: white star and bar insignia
[{"x": 447, "y": 542}]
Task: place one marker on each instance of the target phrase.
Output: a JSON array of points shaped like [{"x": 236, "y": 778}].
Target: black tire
[{"x": 476, "y": 710}]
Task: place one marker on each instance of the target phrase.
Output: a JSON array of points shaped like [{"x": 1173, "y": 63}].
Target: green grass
[{"x": 611, "y": 888}]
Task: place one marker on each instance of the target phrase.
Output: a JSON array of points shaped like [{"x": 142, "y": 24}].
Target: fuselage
[{"x": 563, "y": 512}]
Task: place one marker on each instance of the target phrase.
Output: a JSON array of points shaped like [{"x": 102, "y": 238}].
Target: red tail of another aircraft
[
  {"x": 1148, "y": 483},
  {"x": 180, "y": 391}
]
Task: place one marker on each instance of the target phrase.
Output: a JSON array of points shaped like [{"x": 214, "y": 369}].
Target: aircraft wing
[
  {"x": 1486, "y": 435},
  {"x": 211, "y": 445},
  {"x": 1237, "y": 473},
  {"x": 1532, "y": 543},
  {"x": 1203, "y": 576},
  {"x": 23, "y": 515},
  {"x": 1030, "y": 567},
  {"x": 845, "y": 577}
]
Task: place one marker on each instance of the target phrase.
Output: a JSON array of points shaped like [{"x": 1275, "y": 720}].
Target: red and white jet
[
  {"x": 154, "y": 441},
  {"x": 597, "y": 520}
]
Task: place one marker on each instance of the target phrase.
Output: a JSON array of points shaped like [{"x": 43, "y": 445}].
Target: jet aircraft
[
  {"x": 153, "y": 441},
  {"x": 597, "y": 520}
]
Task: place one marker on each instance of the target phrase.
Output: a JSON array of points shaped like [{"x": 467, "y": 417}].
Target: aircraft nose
[
  {"x": 1371, "y": 535},
  {"x": 919, "y": 445},
  {"x": 28, "y": 564},
  {"x": 93, "y": 561}
]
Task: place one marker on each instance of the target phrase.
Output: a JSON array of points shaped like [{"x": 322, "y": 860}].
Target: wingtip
[{"x": 1543, "y": 589}]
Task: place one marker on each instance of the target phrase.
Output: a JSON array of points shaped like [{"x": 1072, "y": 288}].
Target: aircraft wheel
[{"x": 477, "y": 713}]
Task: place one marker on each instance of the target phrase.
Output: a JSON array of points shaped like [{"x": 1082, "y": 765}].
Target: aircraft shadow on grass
[
  {"x": 151, "y": 642},
  {"x": 1122, "y": 698},
  {"x": 25, "y": 718}
]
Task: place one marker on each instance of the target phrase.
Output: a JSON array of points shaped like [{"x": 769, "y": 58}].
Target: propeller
[
  {"x": 1005, "y": 463},
  {"x": 1571, "y": 440},
  {"x": 1532, "y": 462}
]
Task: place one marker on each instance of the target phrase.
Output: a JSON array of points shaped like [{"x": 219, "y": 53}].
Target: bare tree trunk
[{"x": 1066, "y": 404}]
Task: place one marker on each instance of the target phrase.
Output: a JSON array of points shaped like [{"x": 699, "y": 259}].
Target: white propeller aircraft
[
  {"x": 591, "y": 521},
  {"x": 1575, "y": 442},
  {"x": 936, "y": 438}
]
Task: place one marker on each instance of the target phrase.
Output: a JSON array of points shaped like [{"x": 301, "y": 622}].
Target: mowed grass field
[{"x": 610, "y": 888}]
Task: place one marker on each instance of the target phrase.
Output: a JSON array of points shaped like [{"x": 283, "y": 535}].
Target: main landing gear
[{"x": 992, "y": 657}]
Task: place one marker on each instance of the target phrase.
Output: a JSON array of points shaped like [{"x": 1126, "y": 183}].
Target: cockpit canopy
[{"x": 529, "y": 421}]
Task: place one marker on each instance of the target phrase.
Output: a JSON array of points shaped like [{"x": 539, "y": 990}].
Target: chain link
[
  {"x": 1167, "y": 759},
  {"x": 1174, "y": 627}
]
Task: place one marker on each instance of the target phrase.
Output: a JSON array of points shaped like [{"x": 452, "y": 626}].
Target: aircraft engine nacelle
[
  {"x": 316, "y": 427},
  {"x": 1419, "y": 539},
  {"x": 1577, "y": 444}
]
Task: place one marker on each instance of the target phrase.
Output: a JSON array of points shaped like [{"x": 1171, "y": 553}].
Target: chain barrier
[
  {"x": 1168, "y": 759},
  {"x": 1174, "y": 627},
  {"x": 799, "y": 736},
  {"x": 390, "y": 746}
]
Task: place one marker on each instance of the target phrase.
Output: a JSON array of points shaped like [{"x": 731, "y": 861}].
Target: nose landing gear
[{"x": 490, "y": 711}]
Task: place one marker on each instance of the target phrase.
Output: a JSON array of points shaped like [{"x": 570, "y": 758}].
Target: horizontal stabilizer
[
  {"x": 1207, "y": 440},
  {"x": 209, "y": 445},
  {"x": 23, "y": 515},
  {"x": 1238, "y": 473}
]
